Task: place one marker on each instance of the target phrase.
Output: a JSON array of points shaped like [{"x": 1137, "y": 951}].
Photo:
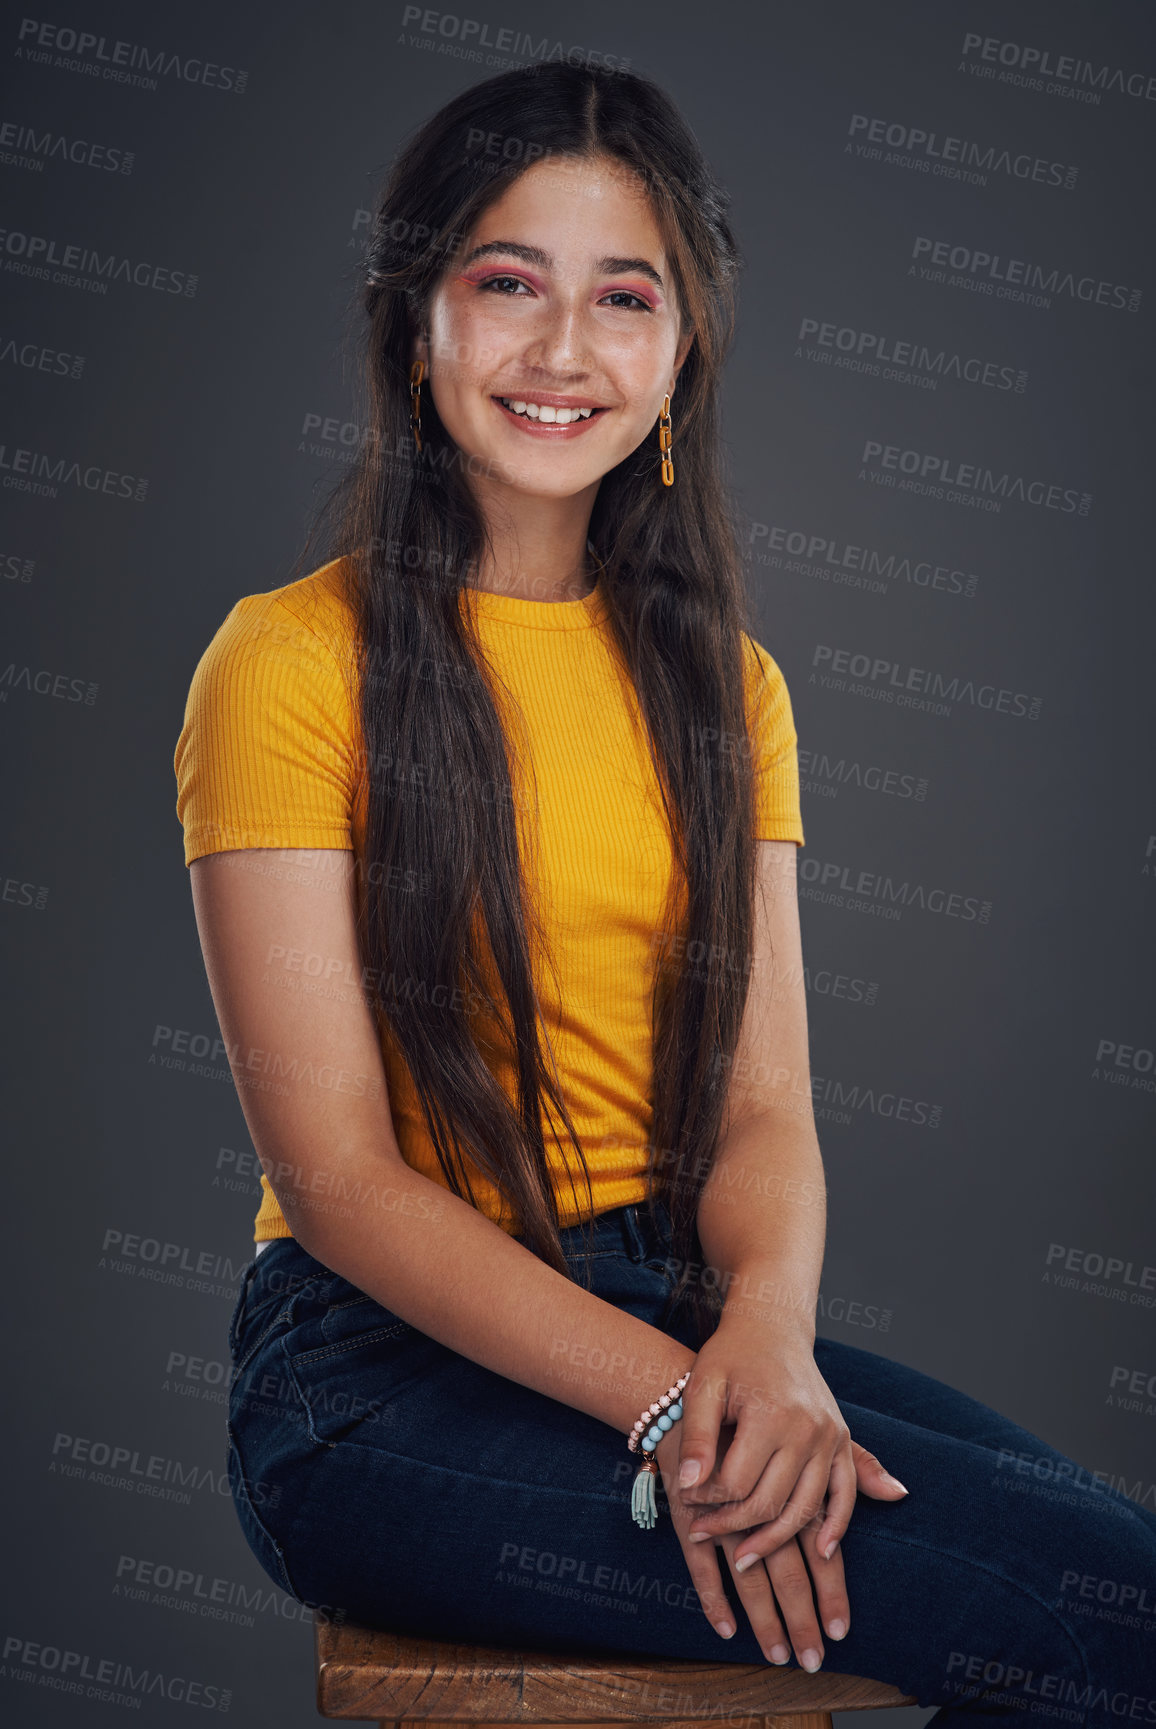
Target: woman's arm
[
  {"x": 762, "y": 1219},
  {"x": 278, "y": 934},
  {"x": 763, "y": 1211}
]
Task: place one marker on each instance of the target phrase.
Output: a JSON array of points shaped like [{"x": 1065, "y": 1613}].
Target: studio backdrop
[{"x": 937, "y": 419}]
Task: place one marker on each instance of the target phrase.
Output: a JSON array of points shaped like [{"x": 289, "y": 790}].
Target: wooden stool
[{"x": 403, "y": 1683}]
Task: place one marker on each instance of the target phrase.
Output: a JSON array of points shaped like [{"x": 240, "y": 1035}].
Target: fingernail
[
  {"x": 745, "y": 1561},
  {"x": 810, "y": 1661},
  {"x": 830, "y": 1549},
  {"x": 780, "y": 1654},
  {"x": 836, "y": 1629},
  {"x": 896, "y": 1481},
  {"x": 726, "y": 1628},
  {"x": 700, "y": 1536},
  {"x": 688, "y": 1473}
]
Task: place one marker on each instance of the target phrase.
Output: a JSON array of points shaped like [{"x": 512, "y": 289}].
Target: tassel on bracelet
[{"x": 647, "y": 1432}]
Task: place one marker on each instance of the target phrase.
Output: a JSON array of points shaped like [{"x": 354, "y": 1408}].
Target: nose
[{"x": 561, "y": 343}]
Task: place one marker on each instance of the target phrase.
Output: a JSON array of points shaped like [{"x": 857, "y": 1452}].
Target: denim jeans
[{"x": 388, "y": 1479}]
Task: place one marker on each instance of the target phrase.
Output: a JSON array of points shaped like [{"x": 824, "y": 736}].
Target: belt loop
[
  {"x": 635, "y": 1236},
  {"x": 237, "y": 1318}
]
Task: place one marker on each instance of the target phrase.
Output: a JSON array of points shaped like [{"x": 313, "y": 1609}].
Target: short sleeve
[
  {"x": 266, "y": 755},
  {"x": 775, "y": 748}
]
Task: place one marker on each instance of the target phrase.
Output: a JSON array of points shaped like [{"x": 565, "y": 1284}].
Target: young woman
[{"x": 492, "y": 821}]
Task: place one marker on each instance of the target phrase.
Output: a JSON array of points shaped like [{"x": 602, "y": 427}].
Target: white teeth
[{"x": 543, "y": 411}]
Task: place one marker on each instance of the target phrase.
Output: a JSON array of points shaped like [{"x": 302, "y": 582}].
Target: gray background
[{"x": 1023, "y": 1042}]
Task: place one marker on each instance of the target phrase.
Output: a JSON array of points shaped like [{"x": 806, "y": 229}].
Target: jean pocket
[
  {"x": 258, "y": 1326},
  {"x": 351, "y": 1366},
  {"x": 350, "y": 1315}
]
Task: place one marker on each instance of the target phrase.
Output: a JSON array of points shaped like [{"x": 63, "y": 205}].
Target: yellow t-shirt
[{"x": 269, "y": 756}]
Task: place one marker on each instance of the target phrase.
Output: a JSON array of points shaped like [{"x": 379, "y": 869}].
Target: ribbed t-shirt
[{"x": 269, "y": 755}]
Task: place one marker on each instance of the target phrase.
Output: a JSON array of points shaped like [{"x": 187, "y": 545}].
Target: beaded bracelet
[{"x": 646, "y": 1434}]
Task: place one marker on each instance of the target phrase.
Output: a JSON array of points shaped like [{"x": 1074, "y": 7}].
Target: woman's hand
[
  {"x": 783, "y": 1600},
  {"x": 791, "y": 1465}
]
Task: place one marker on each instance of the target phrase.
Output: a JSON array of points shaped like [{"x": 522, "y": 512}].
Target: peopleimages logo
[
  {"x": 31, "y": 147},
  {"x": 823, "y": 775},
  {"x": 45, "y": 259},
  {"x": 464, "y": 38},
  {"x": 900, "y": 359},
  {"x": 42, "y": 682},
  {"x": 169, "y": 1258},
  {"x": 955, "y": 158},
  {"x": 818, "y": 552},
  {"x": 169, "y": 1586},
  {"x": 43, "y": 474},
  {"x": 1014, "y": 278},
  {"x": 942, "y": 476},
  {"x": 840, "y": 1101},
  {"x": 913, "y": 686},
  {"x": 1098, "y": 1275},
  {"x": 37, "y": 357},
  {"x": 1041, "y": 63},
  {"x": 1124, "y": 1065},
  {"x": 1073, "y": 1701},
  {"x": 43, "y": 44},
  {"x": 86, "y": 1675},
  {"x": 869, "y": 891}
]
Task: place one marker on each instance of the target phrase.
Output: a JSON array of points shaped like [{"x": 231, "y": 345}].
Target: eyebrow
[{"x": 608, "y": 266}]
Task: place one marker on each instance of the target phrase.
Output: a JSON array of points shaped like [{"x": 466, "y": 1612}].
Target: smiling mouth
[{"x": 544, "y": 414}]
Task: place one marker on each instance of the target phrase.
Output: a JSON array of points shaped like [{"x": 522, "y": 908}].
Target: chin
[
  {"x": 559, "y": 492},
  {"x": 555, "y": 481}
]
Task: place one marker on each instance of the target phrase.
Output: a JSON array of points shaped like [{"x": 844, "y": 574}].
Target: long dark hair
[{"x": 409, "y": 533}]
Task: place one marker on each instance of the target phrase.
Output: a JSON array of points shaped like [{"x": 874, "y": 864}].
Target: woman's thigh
[
  {"x": 1034, "y": 1590},
  {"x": 404, "y": 1485},
  {"x": 867, "y": 1380},
  {"x": 388, "y": 1478}
]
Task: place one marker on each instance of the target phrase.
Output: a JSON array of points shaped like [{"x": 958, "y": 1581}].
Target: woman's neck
[
  {"x": 541, "y": 581},
  {"x": 538, "y": 551}
]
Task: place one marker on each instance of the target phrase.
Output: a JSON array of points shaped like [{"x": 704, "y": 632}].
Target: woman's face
[{"x": 561, "y": 295}]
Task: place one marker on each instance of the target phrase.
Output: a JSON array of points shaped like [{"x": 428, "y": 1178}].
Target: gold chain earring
[
  {"x": 664, "y": 442},
  {"x": 416, "y": 374}
]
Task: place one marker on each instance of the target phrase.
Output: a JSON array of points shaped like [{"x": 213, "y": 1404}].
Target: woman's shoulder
[
  {"x": 766, "y": 685},
  {"x": 281, "y": 660},
  {"x": 301, "y": 633},
  {"x": 775, "y": 742},
  {"x": 316, "y": 605},
  {"x": 268, "y": 752}
]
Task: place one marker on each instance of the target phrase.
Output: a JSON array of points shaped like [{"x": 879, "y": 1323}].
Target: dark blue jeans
[{"x": 386, "y": 1478}]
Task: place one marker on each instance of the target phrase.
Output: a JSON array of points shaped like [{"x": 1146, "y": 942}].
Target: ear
[{"x": 419, "y": 350}]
